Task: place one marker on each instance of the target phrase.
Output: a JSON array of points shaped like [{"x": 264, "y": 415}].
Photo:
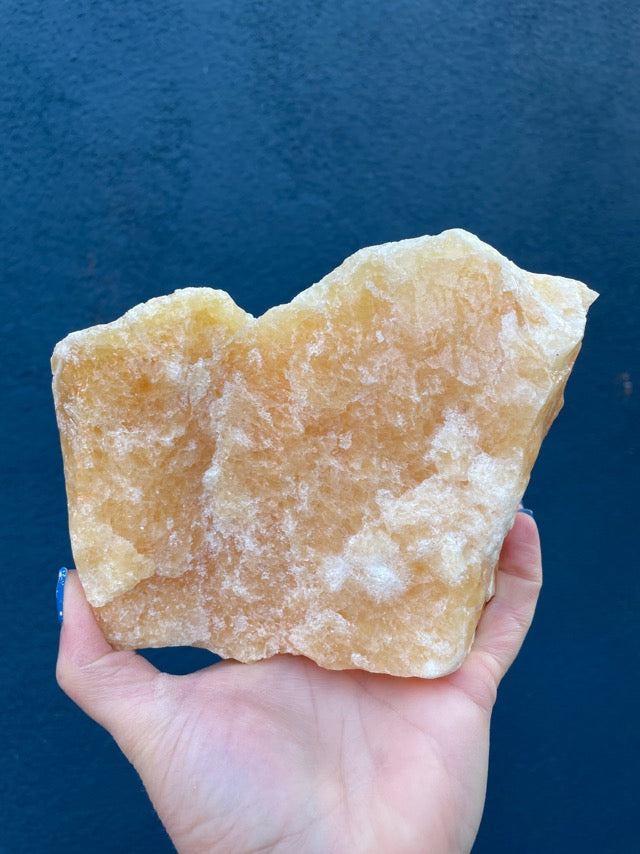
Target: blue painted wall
[{"x": 150, "y": 144}]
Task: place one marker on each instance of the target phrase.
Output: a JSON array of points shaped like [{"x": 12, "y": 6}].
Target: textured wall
[{"x": 149, "y": 144}]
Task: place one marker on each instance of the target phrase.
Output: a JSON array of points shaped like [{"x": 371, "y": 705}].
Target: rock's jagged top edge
[
  {"x": 458, "y": 239},
  {"x": 138, "y": 314}
]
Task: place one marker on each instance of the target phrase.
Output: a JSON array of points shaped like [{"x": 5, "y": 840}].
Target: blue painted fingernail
[
  {"x": 62, "y": 577},
  {"x": 526, "y": 510}
]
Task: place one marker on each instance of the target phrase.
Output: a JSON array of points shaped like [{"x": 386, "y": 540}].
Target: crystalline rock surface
[{"x": 333, "y": 479}]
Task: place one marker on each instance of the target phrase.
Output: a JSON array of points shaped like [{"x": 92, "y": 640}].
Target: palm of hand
[{"x": 285, "y": 756}]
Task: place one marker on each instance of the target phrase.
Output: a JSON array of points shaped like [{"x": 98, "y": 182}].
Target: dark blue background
[{"x": 151, "y": 144}]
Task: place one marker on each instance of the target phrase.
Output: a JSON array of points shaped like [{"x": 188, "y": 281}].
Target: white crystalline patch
[
  {"x": 289, "y": 523},
  {"x": 315, "y": 347},
  {"x": 242, "y": 438},
  {"x": 382, "y": 581},
  {"x": 255, "y": 358},
  {"x": 264, "y": 414},
  {"x": 372, "y": 561},
  {"x": 198, "y": 381},
  {"x": 360, "y": 661},
  {"x": 375, "y": 290},
  {"x": 452, "y": 564},
  {"x": 559, "y": 305},
  {"x": 529, "y": 395},
  {"x": 509, "y": 331},
  {"x": 366, "y": 377},
  {"x": 212, "y": 476},
  {"x": 345, "y": 440},
  {"x": 448, "y": 556},
  {"x": 468, "y": 370},
  {"x": 240, "y": 623},
  {"x": 379, "y": 336},
  {"x": 434, "y": 644},
  {"x": 325, "y": 622},
  {"x": 175, "y": 370},
  {"x": 303, "y": 496},
  {"x": 495, "y": 477},
  {"x": 419, "y": 515},
  {"x": 453, "y": 445},
  {"x": 335, "y": 570},
  {"x": 439, "y": 607},
  {"x": 122, "y": 442},
  {"x": 130, "y": 492}
]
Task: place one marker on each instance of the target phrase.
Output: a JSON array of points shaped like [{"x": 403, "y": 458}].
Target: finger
[
  {"x": 116, "y": 688},
  {"x": 507, "y": 617}
]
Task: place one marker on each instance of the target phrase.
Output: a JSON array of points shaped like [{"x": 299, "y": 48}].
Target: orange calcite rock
[{"x": 333, "y": 479}]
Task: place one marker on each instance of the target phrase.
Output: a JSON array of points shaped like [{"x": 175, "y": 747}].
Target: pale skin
[{"x": 283, "y": 756}]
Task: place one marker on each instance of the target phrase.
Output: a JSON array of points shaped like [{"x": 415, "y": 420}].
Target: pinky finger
[{"x": 507, "y": 617}]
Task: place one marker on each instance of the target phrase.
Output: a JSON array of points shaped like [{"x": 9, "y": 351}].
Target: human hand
[{"x": 284, "y": 756}]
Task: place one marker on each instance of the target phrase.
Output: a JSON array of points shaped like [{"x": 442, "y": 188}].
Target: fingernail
[
  {"x": 526, "y": 510},
  {"x": 62, "y": 577}
]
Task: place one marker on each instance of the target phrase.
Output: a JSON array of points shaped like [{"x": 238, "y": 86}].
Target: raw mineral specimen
[{"x": 332, "y": 479}]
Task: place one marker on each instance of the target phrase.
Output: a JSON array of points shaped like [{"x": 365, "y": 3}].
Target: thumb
[{"x": 118, "y": 689}]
